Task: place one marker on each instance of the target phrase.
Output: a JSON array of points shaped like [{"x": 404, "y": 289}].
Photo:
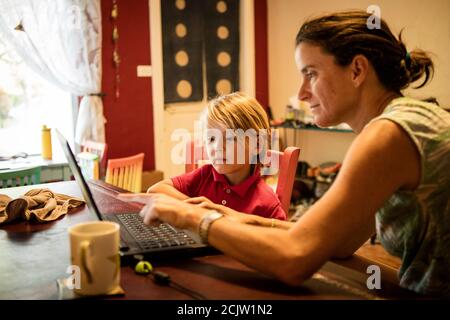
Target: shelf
[
  {"x": 308, "y": 180},
  {"x": 314, "y": 128}
]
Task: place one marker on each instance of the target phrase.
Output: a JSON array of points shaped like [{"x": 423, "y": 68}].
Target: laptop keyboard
[{"x": 154, "y": 237}]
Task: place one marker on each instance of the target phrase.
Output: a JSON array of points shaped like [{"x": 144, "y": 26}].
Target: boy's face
[{"x": 228, "y": 150}]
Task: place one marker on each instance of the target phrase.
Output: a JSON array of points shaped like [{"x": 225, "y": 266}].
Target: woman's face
[{"x": 326, "y": 86}]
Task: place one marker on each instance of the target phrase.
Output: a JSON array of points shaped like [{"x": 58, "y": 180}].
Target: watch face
[
  {"x": 215, "y": 215},
  {"x": 205, "y": 224}
]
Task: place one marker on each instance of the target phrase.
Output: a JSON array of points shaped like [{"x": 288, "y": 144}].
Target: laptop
[{"x": 137, "y": 240}]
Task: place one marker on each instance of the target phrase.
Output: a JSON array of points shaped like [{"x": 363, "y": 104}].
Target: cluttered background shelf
[{"x": 309, "y": 127}]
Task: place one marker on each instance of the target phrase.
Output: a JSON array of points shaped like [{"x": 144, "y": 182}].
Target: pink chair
[{"x": 287, "y": 166}]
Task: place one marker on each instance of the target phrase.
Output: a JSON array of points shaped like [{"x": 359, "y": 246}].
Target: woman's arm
[
  {"x": 166, "y": 187},
  {"x": 240, "y": 217},
  {"x": 381, "y": 160}
]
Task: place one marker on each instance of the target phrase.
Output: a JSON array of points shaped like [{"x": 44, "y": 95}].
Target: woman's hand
[
  {"x": 227, "y": 212},
  {"x": 203, "y": 202},
  {"x": 162, "y": 208}
]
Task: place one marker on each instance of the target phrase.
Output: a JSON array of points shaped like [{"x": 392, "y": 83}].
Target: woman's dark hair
[{"x": 346, "y": 34}]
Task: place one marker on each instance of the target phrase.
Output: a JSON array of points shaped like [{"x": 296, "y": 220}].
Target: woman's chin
[{"x": 322, "y": 122}]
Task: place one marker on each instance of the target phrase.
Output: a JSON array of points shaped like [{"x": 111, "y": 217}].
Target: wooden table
[{"x": 33, "y": 256}]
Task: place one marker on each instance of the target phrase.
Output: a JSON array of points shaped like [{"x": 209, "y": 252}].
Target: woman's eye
[
  {"x": 309, "y": 75},
  {"x": 211, "y": 139}
]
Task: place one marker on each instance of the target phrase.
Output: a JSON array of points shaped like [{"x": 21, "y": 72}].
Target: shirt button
[
  {"x": 224, "y": 202},
  {"x": 228, "y": 191}
]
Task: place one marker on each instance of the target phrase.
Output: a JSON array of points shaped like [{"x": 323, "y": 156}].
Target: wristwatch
[{"x": 206, "y": 223}]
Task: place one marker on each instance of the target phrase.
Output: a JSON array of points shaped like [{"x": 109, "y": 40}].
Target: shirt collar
[{"x": 241, "y": 188}]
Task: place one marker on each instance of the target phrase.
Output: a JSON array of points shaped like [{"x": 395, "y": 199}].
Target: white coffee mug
[{"x": 94, "y": 248}]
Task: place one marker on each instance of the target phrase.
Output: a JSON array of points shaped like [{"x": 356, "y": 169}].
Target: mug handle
[{"x": 84, "y": 247}]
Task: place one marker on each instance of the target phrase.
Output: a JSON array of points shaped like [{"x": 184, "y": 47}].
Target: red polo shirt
[{"x": 252, "y": 195}]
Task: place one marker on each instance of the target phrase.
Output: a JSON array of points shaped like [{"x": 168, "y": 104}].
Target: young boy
[{"x": 237, "y": 129}]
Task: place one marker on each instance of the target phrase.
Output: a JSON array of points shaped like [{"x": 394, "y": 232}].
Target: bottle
[
  {"x": 46, "y": 143},
  {"x": 289, "y": 114}
]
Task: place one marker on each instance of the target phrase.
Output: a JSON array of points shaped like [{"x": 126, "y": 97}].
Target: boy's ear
[{"x": 359, "y": 68}]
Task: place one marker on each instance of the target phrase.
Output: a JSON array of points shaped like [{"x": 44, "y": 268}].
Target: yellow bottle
[{"x": 46, "y": 143}]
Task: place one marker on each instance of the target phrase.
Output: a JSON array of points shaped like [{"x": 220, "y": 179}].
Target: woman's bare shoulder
[{"x": 385, "y": 144}]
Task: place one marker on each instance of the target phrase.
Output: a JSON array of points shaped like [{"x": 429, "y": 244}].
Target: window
[{"x": 27, "y": 102}]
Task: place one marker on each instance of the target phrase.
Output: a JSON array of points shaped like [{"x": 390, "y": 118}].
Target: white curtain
[{"x": 61, "y": 41}]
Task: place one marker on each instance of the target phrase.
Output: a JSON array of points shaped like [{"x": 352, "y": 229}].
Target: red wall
[
  {"x": 129, "y": 127},
  {"x": 261, "y": 53}
]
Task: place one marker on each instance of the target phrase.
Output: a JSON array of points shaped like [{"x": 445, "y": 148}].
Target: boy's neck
[{"x": 237, "y": 177}]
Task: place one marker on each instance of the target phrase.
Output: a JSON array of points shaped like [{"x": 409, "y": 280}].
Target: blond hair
[{"x": 238, "y": 110}]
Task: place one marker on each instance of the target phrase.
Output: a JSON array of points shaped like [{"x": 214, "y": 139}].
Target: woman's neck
[{"x": 371, "y": 107}]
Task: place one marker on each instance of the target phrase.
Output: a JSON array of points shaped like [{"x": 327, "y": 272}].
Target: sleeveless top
[{"x": 415, "y": 225}]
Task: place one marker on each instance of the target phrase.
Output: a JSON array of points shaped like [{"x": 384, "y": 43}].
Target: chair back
[
  {"x": 195, "y": 156},
  {"x": 98, "y": 148},
  {"x": 22, "y": 177},
  {"x": 286, "y": 167},
  {"x": 126, "y": 173}
]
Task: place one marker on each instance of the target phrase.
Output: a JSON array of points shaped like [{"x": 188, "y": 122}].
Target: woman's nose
[{"x": 304, "y": 92}]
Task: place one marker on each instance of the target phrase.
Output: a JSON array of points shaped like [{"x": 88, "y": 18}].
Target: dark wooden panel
[
  {"x": 192, "y": 43},
  {"x": 215, "y": 45}
]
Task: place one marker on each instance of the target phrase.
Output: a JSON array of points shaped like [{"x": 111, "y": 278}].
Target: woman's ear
[{"x": 359, "y": 68}]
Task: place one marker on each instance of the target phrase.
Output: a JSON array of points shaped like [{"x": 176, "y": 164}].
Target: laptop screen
[{"x": 78, "y": 175}]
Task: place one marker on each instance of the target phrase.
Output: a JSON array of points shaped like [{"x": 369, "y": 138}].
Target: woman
[{"x": 396, "y": 172}]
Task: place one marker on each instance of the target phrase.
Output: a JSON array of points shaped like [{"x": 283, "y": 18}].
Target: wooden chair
[
  {"x": 22, "y": 177},
  {"x": 285, "y": 172},
  {"x": 126, "y": 173},
  {"x": 100, "y": 149},
  {"x": 287, "y": 167}
]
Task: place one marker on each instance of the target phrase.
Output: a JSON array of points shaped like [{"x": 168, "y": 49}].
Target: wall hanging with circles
[
  {"x": 221, "y": 46},
  {"x": 182, "y": 33},
  {"x": 200, "y": 34}
]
